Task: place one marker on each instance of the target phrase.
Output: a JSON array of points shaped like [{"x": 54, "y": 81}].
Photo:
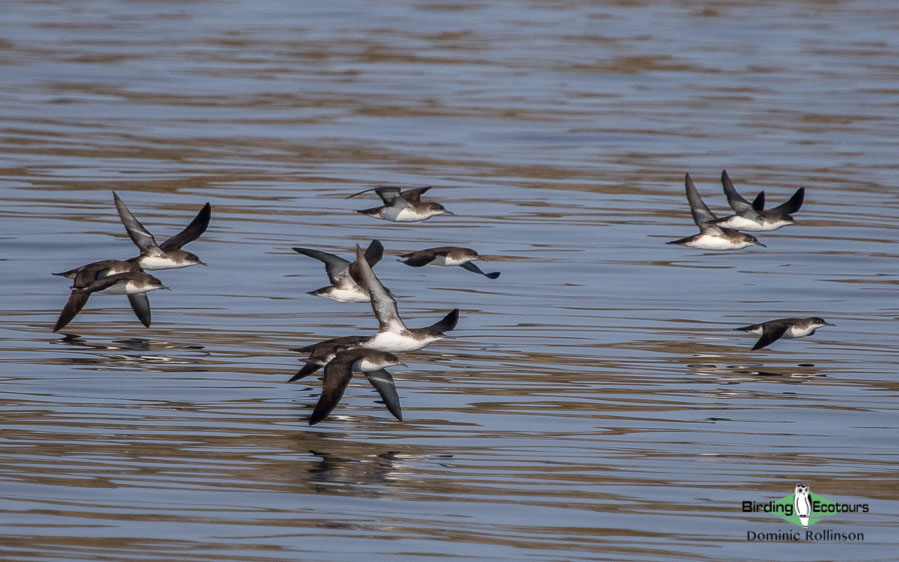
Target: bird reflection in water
[
  {"x": 734, "y": 374},
  {"x": 349, "y": 470},
  {"x": 142, "y": 346}
]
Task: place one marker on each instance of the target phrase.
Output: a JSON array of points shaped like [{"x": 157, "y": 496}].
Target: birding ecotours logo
[{"x": 802, "y": 507}]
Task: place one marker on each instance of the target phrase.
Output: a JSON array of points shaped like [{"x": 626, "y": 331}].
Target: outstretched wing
[
  {"x": 337, "y": 376},
  {"x": 740, "y": 206},
  {"x": 140, "y": 304},
  {"x": 446, "y": 324},
  {"x": 759, "y": 202},
  {"x": 307, "y": 370},
  {"x": 374, "y": 253},
  {"x": 103, "y": 283},
  {"x": 770, "y": 335},
  {"x": 372, "y": 256},
  {"x": 470, "y": 266},
  {"x": 383, "y": 383},
  {"x": 793, "y": 204},
  {"x": 702, "y": 216},
  {"x": 73, "y": 306},
  {"x": 335, "y": 266},
  {"x": 191, "y": 232},
  {"x": 414, "y": 194},
  {"x": 419, "y": 259},
  {"x": 138, "y": 233},
  {"x": 387, "y": 194},
  {"x": 382, "y": 302}
]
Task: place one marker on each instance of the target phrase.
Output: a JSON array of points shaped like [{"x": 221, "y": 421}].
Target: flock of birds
[
  {"x": 127, "y": 277},
  {"x": 724, "y": 234},
  {"x": 354, "y": 281}
]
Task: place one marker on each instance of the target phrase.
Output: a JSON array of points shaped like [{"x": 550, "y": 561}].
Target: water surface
[{"x": 594, "y": 402}]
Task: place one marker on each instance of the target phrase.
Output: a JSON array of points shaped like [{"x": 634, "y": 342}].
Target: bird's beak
[
  {"x": 203, "y": 263},
  {"x": 760, "y": 244},
  {"x": 829, "y": 324},
  {"x": 166, "y": 288},
  {"x": 445, "y": 212},
  {"x": 403, "y": 364}
]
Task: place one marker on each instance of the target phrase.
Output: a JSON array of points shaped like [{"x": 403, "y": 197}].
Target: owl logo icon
[{"x": 801, "y": 504}]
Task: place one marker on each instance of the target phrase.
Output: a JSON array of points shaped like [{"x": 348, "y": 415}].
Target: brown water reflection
[{"x": 595, "y": 401}]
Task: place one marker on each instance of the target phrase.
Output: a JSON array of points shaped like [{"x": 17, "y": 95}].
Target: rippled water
[{"x": 594, "y": 401}]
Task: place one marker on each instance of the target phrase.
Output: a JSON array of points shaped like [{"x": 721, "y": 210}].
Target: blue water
[{"x": 594, "y": 402}]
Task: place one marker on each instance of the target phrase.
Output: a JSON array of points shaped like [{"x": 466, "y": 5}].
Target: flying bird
[
  {"x": 344, "y": 286},
  {"x": 393, "y": 335},
  {"x": 339, "y": 371},
  {"x": 773, "y": 330},
  {"x": 134, "y": 283},
  {"x": 753, "y": 216},
  {"x": 402, "y": 205},
  {"x": 711, "y": 236},
  {"x": 447, "y": 256},
  {"x": 169, "y": 254}
]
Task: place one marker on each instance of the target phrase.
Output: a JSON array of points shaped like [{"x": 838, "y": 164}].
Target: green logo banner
[{"x": 820, "y": 507}]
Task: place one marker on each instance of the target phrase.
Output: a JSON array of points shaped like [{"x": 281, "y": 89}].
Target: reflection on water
[
  {"x": 369, "y": 475},
  {"x": 739, "y": 372},
  {"x": 594, "y": 402},
  {"x": 145, "y": 354}
]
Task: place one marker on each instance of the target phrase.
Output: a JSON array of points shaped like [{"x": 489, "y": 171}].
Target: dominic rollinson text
[{"x": 804, "y": 535}]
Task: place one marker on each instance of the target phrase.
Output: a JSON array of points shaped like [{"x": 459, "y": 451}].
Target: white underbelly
[
  {"x": 794, "y": 332},
  {"x": 772, "y": 225},
  {"x": 711, "y": 242},
  {"x": 345, "y": 292},
  {"x": 450, "y": 261},
  {"x": 158, "y": 262},
  {"x": 367, "y": 366},
  {"x": 346, "y": 295},
  {"x": 132, "y": 288},
  {"x": 127, "y": 288},
  {"x": 740, "y": 223},
  {"x": 410, "y": 215},
  {"x": 397, "y": 343}
]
